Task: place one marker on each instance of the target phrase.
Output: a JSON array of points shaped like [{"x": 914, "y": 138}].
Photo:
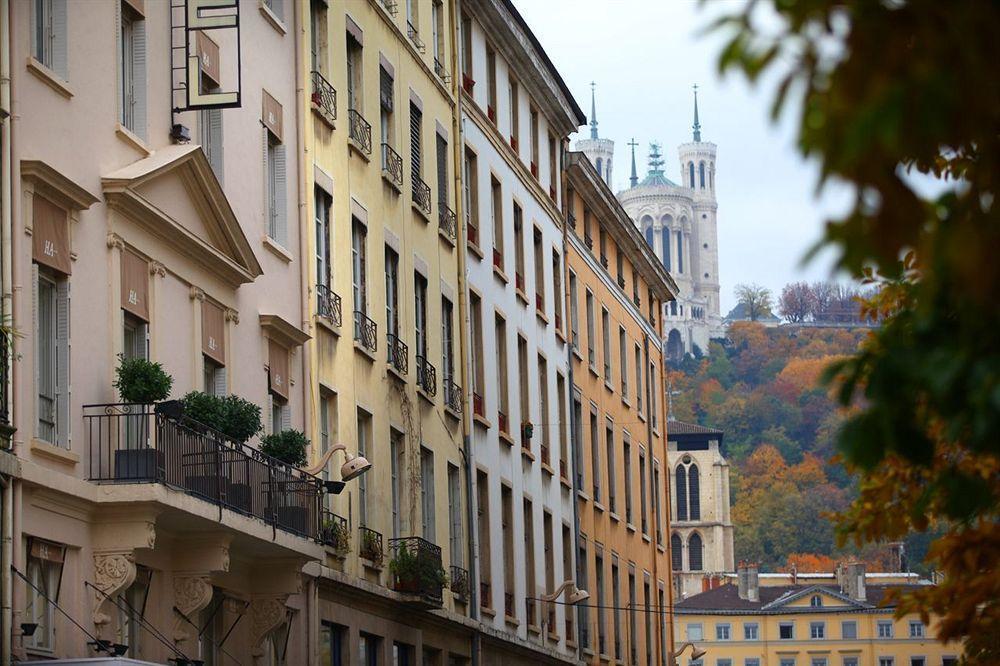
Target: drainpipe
[
  {"x": 463, "y": 333},
  {"x": 657, "y": 502},
  {"x": 6, "y": 194}
]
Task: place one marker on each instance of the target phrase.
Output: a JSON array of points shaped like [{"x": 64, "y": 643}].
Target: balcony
[
  {"x": 134, "y": 443},
  {"x": 452, "y": 396},
  {"x": 414, "y": 35},
  {"x": 519, "y": 281},
  {"x": 447, "y": 222},
  {"x": 421, "y": 195},
  {"x": 588, "y": 241},
  {"x": 426, "y": 377},
  {"x": 621, "y": 281},
  {"x": 359, "y": 131},
  {"x": 365, "y": 332},
  {"x": 370, "y": 546},
  {"x": 604, "y": 261},
  {"x": 328, "y": 305},
  {"x": 416, "y": 571},
  {"x": 392, "y": 167},
  {"x": 459, "y": 582},
  {"x": 334, "y": 532},
  {"x": 441, "y": 71},
  {"x": 398, "y": 354},
  {"x": 389, "y": 6},
  {"x": 324, "y": 98}
]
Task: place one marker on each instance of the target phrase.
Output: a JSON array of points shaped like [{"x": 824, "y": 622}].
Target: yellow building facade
[
  {"x": 843, "y": 620},
  {"x": 615, "y": 289}
]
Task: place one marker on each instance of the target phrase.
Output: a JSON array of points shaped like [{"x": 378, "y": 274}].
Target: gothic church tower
[{"x": 600, "y": 151}]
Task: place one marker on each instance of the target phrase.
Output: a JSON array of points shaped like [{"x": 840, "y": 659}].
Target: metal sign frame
[{"x": 203, "y": 16}]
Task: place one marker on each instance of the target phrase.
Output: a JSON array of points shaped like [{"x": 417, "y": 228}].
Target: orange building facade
[{"x": 615, "y": 288}]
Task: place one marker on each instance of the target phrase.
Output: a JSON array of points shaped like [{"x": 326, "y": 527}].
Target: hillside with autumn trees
[{"x": 761, "y": 389}]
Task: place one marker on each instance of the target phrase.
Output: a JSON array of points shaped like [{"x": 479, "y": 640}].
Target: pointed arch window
[
  {"x": 680, "y": 251},
  {"x": 701, "y": 174},
  {"x": 681, "y": 489},
  {"x": 599, "y": 165},
  {"x": 695, "y": 553},
  {"x": 676, "y": 553},
  {"x": 665, "y": 235},
  {"x": 691, "y": 173},
  {"x": 649, "y": 235},
  {"x": 694, "y": 494}
]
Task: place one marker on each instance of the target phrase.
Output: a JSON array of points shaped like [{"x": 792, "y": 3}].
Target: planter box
[
  {"x": 138, "y": 464},
  {"x": 203, "y": 486},
  {"x": 293, "y": 518},
  {"x": 239, "y": 497}
]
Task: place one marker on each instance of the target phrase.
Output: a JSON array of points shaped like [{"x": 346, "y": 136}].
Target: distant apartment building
[
  {"x": 846, "y": 618},
  {"x": 616, "y": 287}
]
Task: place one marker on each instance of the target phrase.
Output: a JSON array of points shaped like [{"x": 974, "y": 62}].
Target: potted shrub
[
  {"x": 405, "y": 570},
  {"x": 371, "y": 547},
  {"x": 337, "y": 535},
  {"x": 235, "y": 417},
  {"x": 139, "y": 382},
  {"x": 288, "y": 446}
]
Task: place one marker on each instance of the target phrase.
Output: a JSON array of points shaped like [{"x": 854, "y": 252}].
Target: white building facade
[{"x": 514, "y": 131}]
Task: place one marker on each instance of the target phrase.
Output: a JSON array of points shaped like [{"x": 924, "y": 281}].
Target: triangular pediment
[
  {"x": 802, "y": 600},
  {"x": 174, "y": 193}
]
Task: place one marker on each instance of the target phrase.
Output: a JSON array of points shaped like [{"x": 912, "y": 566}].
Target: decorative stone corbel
[
  {"x": 197, "y": 294},
  {"x": 267, "y": 614},
  {"x": 157, "y": 268},
  {"x": 113, "y": 572},
  {"x": 192, "y": 594},
  {"x": 115, "y": 241},
  {"x": 233, "y": 316}
]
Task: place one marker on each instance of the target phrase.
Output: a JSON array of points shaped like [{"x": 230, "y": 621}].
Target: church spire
[
  {"x": 593, "y": 112},
  {"x": 697, "y": 125},
  {"x": 633, "y": 180}
]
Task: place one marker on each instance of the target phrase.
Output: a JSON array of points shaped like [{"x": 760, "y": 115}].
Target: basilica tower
[{"x": 601, "y": 152}]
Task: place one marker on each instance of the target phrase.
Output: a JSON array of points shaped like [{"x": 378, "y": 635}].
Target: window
[
  {"x": 210, "y": 129},
  {"x": 437, "y": 30},
  {"x": 131, "y": 605},
  {"x": 416, "y": 145},
  {"x": 553, "y": 164},
  {"x": 503, "y": 399},
  {"x": 52, "y": 355},
  {"x": 528, "y": 522},
  {"x": 323, "y": 203},
  {"x": 656, "y": 503},
  {"x": 751, "y": 631},
  {"x": 420, "y": 312},
  {"x": 591, "y": 354},
  {"x": 44, "y": 571},
  {"x": 616, "y": 603},
  {"x": 816, "y": 601},
  {"x": 638, "y": 378},
  {"x": 557, "y": 296},
  {"x": 507, "y": 532},
  {"x": 386, "y": 105},
  {"x": 916, "y": 629},
  {"x": 595, "y": 457},
  {"x": 277, "y": 7},
  {"x": 368, "y": 649},
  {"x": 583, "y": 610},
  {"x": 135, "y": 343},
  {"x": 359, "y": 266},
  {"x": 332, "y": 644},
  {"x": 643, "y": 501},
  {"x": 491, "y": 83},
  {"x": 817, "y": 630},
  {"x": 391, "y": 292},
  {"x": 533, "y": 127},
  {"x": 132, "y": 69},
  {"x": 680, "y": 487},
  {"x": 543, "y": 402},
  {"x": 849, "y": 630},
  {"x": 918, "y": 661},
  {"x": 496, "y": 217},
  {"x": 680, "y": 253},
  {"x": 447, "y": 340},
  {"x": 751, "y": 661},
  {"x": 786, "y": 631},
  {"x": 601, "y": 600},
  {"x": 627, "y": 460},
  {"x": 724, "y": 662},
  {"x": 427, "y": 509},
  {"x": 676, "y": 553},
  {"x": 514, "y": 112},
  {"x": 455, "y": 541},
  {"x": 609, "y": 447},
  {"x": 694, "y": 632},
  {"x": 623, "y": 360},
  {"x": 471, "y": 196},
  {"x": 397, "y": 481},
  {"x": 884, "y": 629},
  {"x": 519, "y": 248},
  {"x": 606, "y": 343},
  {"x": 48, "y": 34},
  {"x": 364, "y": 426},
  {"x": 787, "y": 661},
  {"x": 483, "y": 513},
  {"x": 476, "y": 353},
  {"x": 886, "y": 661},
  {"x": 327, "y": 424},
  {"x": 563, "y": 443},
  {"x": 722, "y": 632},
  {"x": 524, "y": 382},
  {"x": 539, "y": 257},
  {"x": 466, "y": 47},
  {"x": 354, "y": 74},
  {"x": 574, "y": 313},
  {"x": 632, "y": 611},
  {"x": 850, "y": 661},
  {"x": 441, "y": 147},
  {"x": 277, "y": 213},
  {"x": 213, "y": 377},
  {"x": 817, "y": 661}
]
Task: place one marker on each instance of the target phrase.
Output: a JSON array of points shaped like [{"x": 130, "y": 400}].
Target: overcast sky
[{"x": 644, "y": 56}]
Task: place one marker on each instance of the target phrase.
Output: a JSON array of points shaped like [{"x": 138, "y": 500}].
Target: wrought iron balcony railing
[
  {"x": 452, "y": 395},
  {"x": 370, "y": 545},
  {"x": 365, "y": 332},
  {"x": 136, "y": 443},
  {"x": 588, "y": 241},
  {"x": 621, "y": 281},
  {"x": 359, "y": 131},
  {"x": 392, "y": 166},
  {"x": 441, "y": 71},
  {"x": 399, "y": 354},
  {"x": 334, "y": 532},
  {"x": 324, "y": 97},
  {"x": 416, "y": 568},
  {"x": 426, "y": 376},
  {"x": 447, "y": 222},
  {"x": 414, "y": 36},
  {"x": 390, "y": 6},
  {"x": 459, "y": 583},
  {"x": 421, "y": 193},
  {"x": 328, "y": 305}
]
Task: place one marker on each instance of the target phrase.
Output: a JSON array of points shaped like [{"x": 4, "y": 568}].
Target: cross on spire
[
  {"x": 593, "y": 111},
  {"x": 633, "y": 179},
  {"x": 697, "y": 125}
]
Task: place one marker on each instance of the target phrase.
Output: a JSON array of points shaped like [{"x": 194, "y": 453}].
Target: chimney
[
  {"x": 795, "y": 575},
  {"x": 748, "y": 584},
  {"x": 853, "y": 580}
]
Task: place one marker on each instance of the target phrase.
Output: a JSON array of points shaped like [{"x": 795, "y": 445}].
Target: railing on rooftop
[
  {"x": 137, "y": 443},
  {"x": 328, "y": 305}
]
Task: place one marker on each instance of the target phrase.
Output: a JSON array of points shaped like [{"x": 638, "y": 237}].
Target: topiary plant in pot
[
  {"x": 288, "y": 446},
  {"x": 236, "y": 418},
  {"x": 141, "y": 381}
]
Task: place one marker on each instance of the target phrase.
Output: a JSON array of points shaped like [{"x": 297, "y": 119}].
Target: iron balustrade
[
  {"x": 621, "y": 282},
  {"x": 398, "y": 353},
  {"x": 588, "y": 241},
  {"x": 441, "y": 71},
  {"x": 390, "y": 6},
  {"x": 359, "y": 131},
  {"x": 392, "y": 166},
  {"x": 334, "y": 531},
  {"x": 459, "y": 581},
  {"x": 447, "y": 222},
  {"x": 414, "y": 36},
  {"x": 365, "y": 331},
  {"x": 370, "y": 545},
  {"x": 324, "y": 97},
  {"x": 421, "y": 194},
  {"x": 417, "y": 567},
  {"x": 426, "y": 376},
  {"x": 452, "y": 395},
  {"x": 138, "y": 443},
  {"x": 328, "y": 305}
]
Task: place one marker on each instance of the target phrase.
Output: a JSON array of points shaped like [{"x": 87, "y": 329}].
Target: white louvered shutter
[
  {"x": 280, "y": 196},
  {"x": 139, "y": 93},
  {"x": 63, "y": 378},
  {"x": 214, "y": 118},
  {"x": 220, "y": 381},
  {"x": 60, "y": 62},
  {"x": 286, "y": 417},
  {"x": 34, "y": 354},
  {"x": 270, "y": 413}
]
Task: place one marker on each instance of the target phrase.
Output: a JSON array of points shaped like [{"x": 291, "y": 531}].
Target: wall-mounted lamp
[
  {"x": 353, "y": 467},
  {"x": 696, "y": 652},
  {"x": 574, "y": 595},
  {"x": 28, "y": 628}
]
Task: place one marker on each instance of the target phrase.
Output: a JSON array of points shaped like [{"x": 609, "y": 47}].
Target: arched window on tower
[
  {"x": 711, "y": 175},
  {"x": 680, "y": 252},
  {"x": 599, "y": 165},
  {"x": 681, "y": 490},
  {"x": 607, "y": 178},
  {"x": 695, "y": 553},
  {"x": 701, "y": 174},
  {"x": 676, "y": 552},
  {"x": 691, "y": 173},
  {"x": 649, "y": 235},
  {"x": 694, "y": 493}
]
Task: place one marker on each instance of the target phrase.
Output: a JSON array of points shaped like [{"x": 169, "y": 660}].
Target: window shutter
[
  {"x": 385, "y": 89},
  {"x": 59, "y": 39},
  {"x": 139, "y": 78},
  {"x": 280, "y": 196},
  {"x": 214, "y": 118},
  {"x": 270, "y": 413},
  {"x": 62, "y": 363},
  {"x": 267, "y": 185},
  {"x": 442, "y": 169},
  {"x": 35, "y": 323},
  {"x": 220, "y": 381},
  {"x": 415, "y": 121},
  {"x": 286, "y": 417}
]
